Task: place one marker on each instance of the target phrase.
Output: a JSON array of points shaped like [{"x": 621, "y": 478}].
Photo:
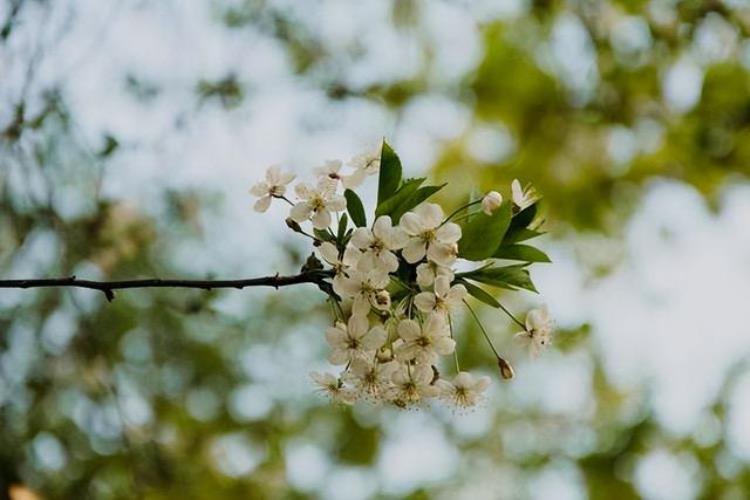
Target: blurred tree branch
[{"x": 108, "y": 287}]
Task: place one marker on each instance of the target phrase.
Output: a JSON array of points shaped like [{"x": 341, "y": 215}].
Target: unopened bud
[
  {"x": 506, "y": 370},
  {"x": 383, "y": 300},
  {"x": 293, "y": 225},
  {"x": 491, "y": 202},
  {"x": 384, "y": 355}
]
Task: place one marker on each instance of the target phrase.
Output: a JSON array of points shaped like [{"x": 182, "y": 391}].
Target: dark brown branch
[{"x": 108, "y": 287}]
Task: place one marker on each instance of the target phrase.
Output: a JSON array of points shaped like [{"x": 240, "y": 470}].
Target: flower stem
[
  {"x": 510, "y": 315},
  {"x": 285, "y": 199},
  {"x": 455, "y": 351},
  {"x": 459, "y": 209},
  {"x": 481, "y": 327}
]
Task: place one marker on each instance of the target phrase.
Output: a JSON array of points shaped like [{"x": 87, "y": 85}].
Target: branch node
[{"x": 109, "y": 294}]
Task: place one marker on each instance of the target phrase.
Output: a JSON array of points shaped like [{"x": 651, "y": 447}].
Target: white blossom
[
  {"x": 332, "y": 387},
  {"x": 523, "y": 197},
  {"x": 430, "y": 236},
  {"x": 491, "y": 202},
  {"x": 424, "y": 343},
  {"x": 331, "y": 170},
  {"x": 340, "y": 264},
  {"x": 317, "y": 203},
  {"x": 428, "y": 271},
  {"x": 274, "y": 186},
  {"x": 366, "y": 288},
  {"x": 364, "y": 164},
  {"x": 370, "y": 379},
  {"x": 354, "y": 340},
  {"x": 411, "y": 384},
  {"x": 379, "y": 244},
  {"x": 464, "y": 391},
  {"x": 538, "y": 332},
  {"x": 443, "y": 299}
]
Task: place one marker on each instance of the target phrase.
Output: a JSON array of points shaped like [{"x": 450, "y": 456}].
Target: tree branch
[{"x": 108, "y": 287}]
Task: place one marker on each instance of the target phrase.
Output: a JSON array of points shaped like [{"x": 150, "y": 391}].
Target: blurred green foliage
[{"x": 138, "y": 400}]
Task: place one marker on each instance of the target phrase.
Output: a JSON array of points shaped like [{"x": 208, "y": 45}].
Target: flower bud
[
  {"x": 382, "y": 300},
  {"x": 293, "y": 225},
  {"x": 491, "y": 202},
  {"x": 506, "y": 370}
]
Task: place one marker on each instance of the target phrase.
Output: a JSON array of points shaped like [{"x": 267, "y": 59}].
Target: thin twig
[{"x": 108, "y": 287}]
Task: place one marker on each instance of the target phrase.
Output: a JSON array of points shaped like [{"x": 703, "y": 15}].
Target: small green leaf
[
  {"x": 404, "y": 193},
  {"x": 343, "y": 222},
  {"x": 323, "y": 235},
  {"x": 422, "y": 194},
  {"x": 355, "y": 208},
  {"x": 521, "y": 234},
  {"x": 524, "y": 217},
  {"x": 480, "y": 294},
  {"x": 526, "y": 253},
  {"x": 390, "y": 173},
  {"x": 510, "y": 277},
  {"x": 482, "y": 234}
]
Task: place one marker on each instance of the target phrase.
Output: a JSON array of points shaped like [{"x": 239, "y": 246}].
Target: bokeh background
[{"x": 131, "y": 130}]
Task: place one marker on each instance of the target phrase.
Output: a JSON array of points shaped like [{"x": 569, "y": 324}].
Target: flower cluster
[{"x": 394, "y": 288}]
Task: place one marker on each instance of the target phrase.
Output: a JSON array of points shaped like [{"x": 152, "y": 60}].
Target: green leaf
[
  {"x": 404, "y": 193},
  {"x": 355, "y": 208},
  {"x": 522, "y": 234},
  {"x": 343, "y": 222},
  {"x": 422, "y": 194},
  {"x": 323, "y": 235},
  {"x": 480, "y": 294},
  {"x": 510, "y": 277},
  {"x": 524, "y": 217},
  {"x": 526, "y": 253},
  {"x": 482, "y": 234},
  {"x": 390, "y": 173}
]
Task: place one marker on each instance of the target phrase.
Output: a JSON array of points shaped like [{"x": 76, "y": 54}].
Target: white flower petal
[
  {"x": 260, "y": 189},
  {"x": 442, "y": 254},
  {"x": 425, "y": 301},
  {"x": 262, "y": 204},
  {"x": 357, "y": 326},
  {"x": 449, "y": 233},
  {"x": 300, "y": 212},
  {"x": 321, "y": 219},
  {"x": 414, "y": 251},
  {"x": 431, "y": 214},
  {"x": 409, "y": 329},
  {"x": 375, "y": 338},
  {"x": 361, "y": 305},
  {"x": 329, "y": 252},
  {"x": 361, "y": 238},
  {"x": 412, "y": 223}
]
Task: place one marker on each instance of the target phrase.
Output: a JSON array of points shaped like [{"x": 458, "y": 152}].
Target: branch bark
[{"x": 108, "y": 287}]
